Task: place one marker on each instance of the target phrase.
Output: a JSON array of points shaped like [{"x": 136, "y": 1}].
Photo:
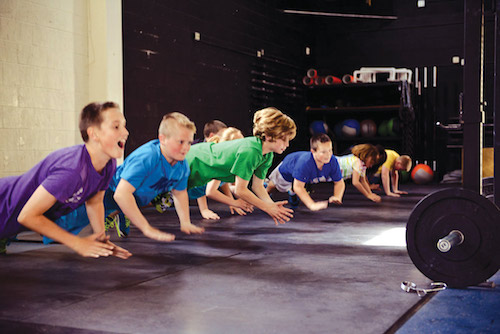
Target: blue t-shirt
[
  {"x": 67, "y": 174},
  {"x": 149, "y": 172},
  {"x": 301, "y": 166}
]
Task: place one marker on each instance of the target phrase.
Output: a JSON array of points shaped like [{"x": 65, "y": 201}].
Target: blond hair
[
  {"x": 272, "y": 124},
  {"x": 405, "y": 162},
  {"x": 172, "y": 120},
  {"x": 364, "y": 151},
  {"x": 227, "y": 134}
]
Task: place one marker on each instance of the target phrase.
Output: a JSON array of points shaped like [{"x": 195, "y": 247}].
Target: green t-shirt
[{"x": 223, "y": 161}]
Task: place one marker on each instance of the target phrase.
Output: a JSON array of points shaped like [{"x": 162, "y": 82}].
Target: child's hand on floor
[
  {"x": 190, "y": 228},
  {"x": 156, "y": 234},
  {"x": 316, "y": 206},
  {"x": 209, "y": 214},
  {"x": 335, "y": 200}
]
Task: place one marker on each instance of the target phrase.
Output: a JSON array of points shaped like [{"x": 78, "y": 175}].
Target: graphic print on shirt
[
  {"x": 76, "y": 197},
  {"x": 163, "y": 184}
]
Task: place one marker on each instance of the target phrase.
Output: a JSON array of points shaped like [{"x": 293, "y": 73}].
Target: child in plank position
[
  {"x": 215, "y": 190},
  {"x": 66, "y": 179},
  {"x": 154, "y": 168},
  {"x": 354, "y": 165},
  {"x": 245, "y": 160},
  {"x": 389, "y": 172},
  {"x": 164, "y": 201},
  {"x": 306, "y": 167}
]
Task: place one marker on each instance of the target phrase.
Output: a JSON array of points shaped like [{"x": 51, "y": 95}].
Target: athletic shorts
[{"x": 281, "y": 184}]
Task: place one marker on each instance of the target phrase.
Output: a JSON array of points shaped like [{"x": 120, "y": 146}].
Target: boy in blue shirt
[{"x": 303, "y": 167}]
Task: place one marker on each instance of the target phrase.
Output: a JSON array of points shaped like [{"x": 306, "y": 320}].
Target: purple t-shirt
[{"x": 68, "y": 174}]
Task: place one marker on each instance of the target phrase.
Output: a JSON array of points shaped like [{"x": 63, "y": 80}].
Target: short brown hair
[
  {"x": 273, "y": 124},
  {"x": 170, "y": 121},
  {"x": 213, "y": 127},
  {"x": 364, "y": 151},
  {"x": 91, "y": 115},
  {"x": 318, "y": 138}
]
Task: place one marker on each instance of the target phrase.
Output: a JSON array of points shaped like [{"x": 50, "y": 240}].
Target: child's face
[
  {"x": 323, "y": 153},
  {"x": 177, "y": 145},
  {"x": 112, "y": 134},
  {"x": 398, "y": 165},
  {"x": 278, "y": 146},
  {"x": 369, "y": 162}
]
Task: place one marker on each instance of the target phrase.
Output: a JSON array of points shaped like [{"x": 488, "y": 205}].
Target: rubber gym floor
[{"x": 334, "y": 271}]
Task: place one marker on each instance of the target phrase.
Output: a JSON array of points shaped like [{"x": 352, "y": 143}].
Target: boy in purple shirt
[
  {"x": 303, "y": 167},
  {"x": 66, "y": 179}
]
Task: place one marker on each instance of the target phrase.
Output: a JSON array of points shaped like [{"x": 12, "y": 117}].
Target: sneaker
[
  {"x": 293, "y": 200},
  {"x": 122, "y": 225},
  {"x": 162, "y": 202},
  {"x": 3, "y": 246}
]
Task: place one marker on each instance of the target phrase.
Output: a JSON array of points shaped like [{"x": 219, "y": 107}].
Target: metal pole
[
  {"x": 473, "y": 114},
  {"x": 496, "y": 107}
]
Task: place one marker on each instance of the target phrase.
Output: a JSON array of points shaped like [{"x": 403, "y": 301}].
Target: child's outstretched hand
[
  {"x": 316, "y": 206},
  {"x": 374, "y": 197},
  {"x": 209, "y": 214},
  {"x": 279, "y": 213},
  {"x": 237, "y": 210},
  {"x": 156, "y": 234},
  {"x": 190, "y": 228},
  {"x": 91, "y": 246},
  {"x": 335, "y": 200},
  {"x": 119, "y": 252},
  {"x": 242, "y": 204}
]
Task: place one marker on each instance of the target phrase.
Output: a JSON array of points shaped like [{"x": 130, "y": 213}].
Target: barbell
[{"x": 453, "y": 236}]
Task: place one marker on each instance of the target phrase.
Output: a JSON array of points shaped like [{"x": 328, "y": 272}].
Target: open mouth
[{"x": 121, "y": 144}]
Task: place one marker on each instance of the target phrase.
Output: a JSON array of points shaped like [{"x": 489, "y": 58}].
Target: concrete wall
[{"x": 47, "y": 55}]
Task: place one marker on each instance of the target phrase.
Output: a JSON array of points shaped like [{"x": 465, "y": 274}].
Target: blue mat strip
[{"x": 471, "y": 310}]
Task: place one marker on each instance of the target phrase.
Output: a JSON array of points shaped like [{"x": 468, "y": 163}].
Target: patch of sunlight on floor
[{"x": 393, "y": 237}]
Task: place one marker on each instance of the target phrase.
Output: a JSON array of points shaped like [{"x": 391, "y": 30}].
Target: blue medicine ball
[
  {"x": 350, "y": 128},
  {"x": 318, "y": 127}
]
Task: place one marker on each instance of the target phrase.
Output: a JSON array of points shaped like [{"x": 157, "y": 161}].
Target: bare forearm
[
  {"x": 395, "y": 180},
  {"x": 181, "y": 202},
  {"x": 220, "y": 197},
  {"x": 248, "y": 196},
  {"x": 339, "y": 188},
  {"x": 365, "y": 184},
  {"x": 261, "y": 193},
  {"x": 202, "y": 203},
  {"x": 304, "y": 196},
  {"x": 386, "y": 183},
  {"x": 48, "y": 228},
  {"x": 95, "y": 214},
  {"x": 128, "y": 205}
]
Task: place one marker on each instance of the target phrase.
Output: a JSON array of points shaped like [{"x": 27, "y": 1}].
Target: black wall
[
  {"x": 419, "y": 38},
  {"x": 218, "y": 77},
  {"x": 221, "y": 77}
]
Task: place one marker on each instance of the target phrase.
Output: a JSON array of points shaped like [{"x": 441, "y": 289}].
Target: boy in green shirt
[{"x": 245, "y": 160}]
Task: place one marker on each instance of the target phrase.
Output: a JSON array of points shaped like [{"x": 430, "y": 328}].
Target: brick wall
[{"x": 43, "y": 78}]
